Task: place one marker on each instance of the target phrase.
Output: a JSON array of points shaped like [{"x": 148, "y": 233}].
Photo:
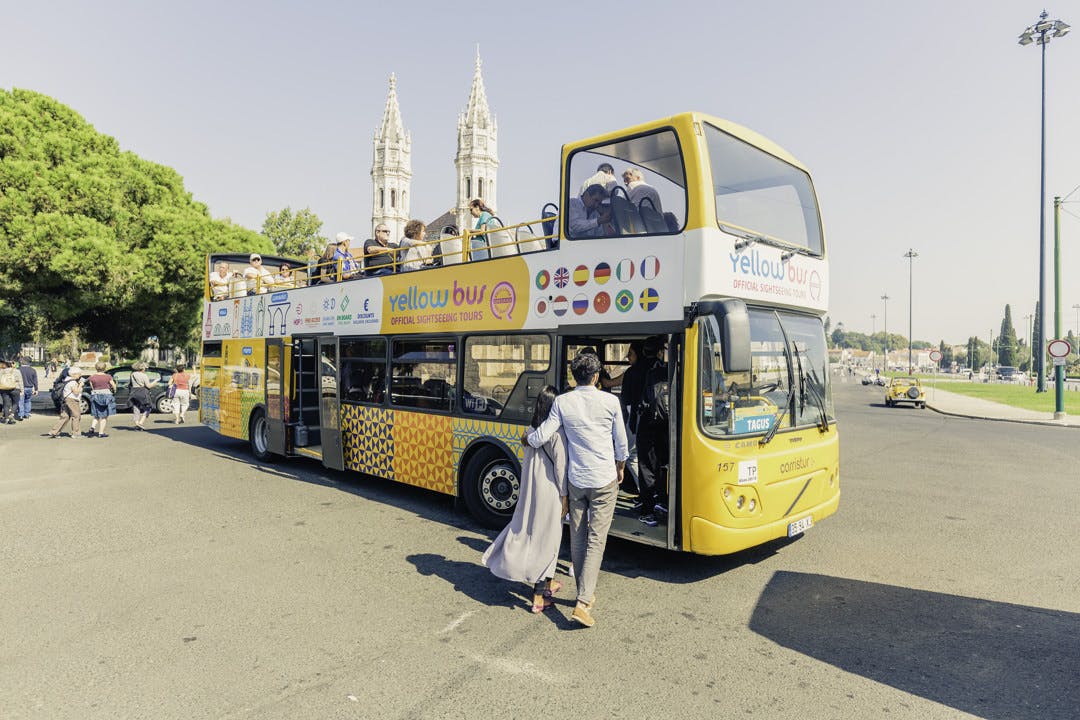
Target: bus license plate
[{"x": 800, "y": 526}]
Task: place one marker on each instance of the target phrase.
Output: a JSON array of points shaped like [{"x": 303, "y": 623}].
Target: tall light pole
[
  {"x": 886, "y": 298},
  {"x": 910, "y": 255},
  {"x": 1077, "y": 309},
  {"x": 1040, "y": 33}
]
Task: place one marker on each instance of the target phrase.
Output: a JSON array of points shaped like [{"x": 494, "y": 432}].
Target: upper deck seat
[
  {"x": 499, "y": 239},
  {"x": 626, "y": 216},
  {"x": 651, "y": 217}
]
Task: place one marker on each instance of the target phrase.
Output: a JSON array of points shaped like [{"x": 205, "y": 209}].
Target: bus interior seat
[
  {"x": 527, "y": 241},
  {"x": 652, "y": 219},
  {"x": 626, "y": 216},
  {"x": 500, "y": 241},
  {"x": 548, "y": 218},
  {"x": 450, "y": 245},
  {"x": 672, "y": 222}
]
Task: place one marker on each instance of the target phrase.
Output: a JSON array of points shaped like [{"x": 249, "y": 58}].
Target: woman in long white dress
[{"x": 528, "y": 548}]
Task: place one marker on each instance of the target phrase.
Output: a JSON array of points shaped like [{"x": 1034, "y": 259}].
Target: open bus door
[
  {"x": 329, "y": 404},
  {"x": 276, "y": 406},
  {"x": 304, "y": 421}
]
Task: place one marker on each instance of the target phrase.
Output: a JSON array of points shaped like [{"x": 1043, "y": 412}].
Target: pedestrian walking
[
  {"x": 102, "y": 400},
  {"x": 141, "y": 403},
  {"x": 528, "y": 548},
  {"x": 180, "y": 392},
  {"x": 11, "y": 388},
  {"x": 30, "y": 387},
  {"x": 70, "y": 409},
  {"x": 592, "y": 423}
]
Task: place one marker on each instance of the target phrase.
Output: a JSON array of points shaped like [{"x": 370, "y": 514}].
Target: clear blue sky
[{"x": 918, "y": 120}]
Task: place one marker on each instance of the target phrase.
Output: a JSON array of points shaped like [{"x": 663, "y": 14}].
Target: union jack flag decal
[{"x": 562, "y": 277}]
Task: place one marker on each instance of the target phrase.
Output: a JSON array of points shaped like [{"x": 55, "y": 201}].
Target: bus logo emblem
[{"x": 503, "y": 299}]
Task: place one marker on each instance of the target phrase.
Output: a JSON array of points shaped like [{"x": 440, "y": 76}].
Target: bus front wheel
[
  {"x": 259, "y": 436},
  {"x": 492, "y": 487}
]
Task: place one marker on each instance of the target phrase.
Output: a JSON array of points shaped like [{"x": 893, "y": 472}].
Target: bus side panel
[
  {"x": 210, "y": 393},
  {"x": 240, "y": 384},
  {"x": 415, "y": 448}
]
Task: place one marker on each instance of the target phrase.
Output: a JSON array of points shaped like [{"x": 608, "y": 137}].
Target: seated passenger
[
  {"x": 284, "y": 279},
  {"x": 483, "y": 215},
  {"x": 417, "y": 252},
  {"x": 349, "y": 267},
  {"x": 604, "y": 177},
  {"x": 588, "y": 216},
  {"x": 380, "y": 255},
  {"x": 219, "y": 281},
  {"x": 257, "y": 278},
  {"x": 637, "y": 189}
]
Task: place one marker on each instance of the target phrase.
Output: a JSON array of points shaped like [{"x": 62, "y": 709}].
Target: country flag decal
[
  {"x": 541, "y": 307},
  {"x": 624, "y": 300},
  {"x": 650, "y": 267},
  {"x": 602, "y": 302},
  {"x": 625, "y": 270},
  {"x": 542, "y": 280},
  {"x": 649, "y": 299},
  {"x": 602, "y": 273},
  {"x": 581, "y": 304},
  {"x": 559, "y": 306},
  {"x": 581, "y": 275},
  {"x": 562, "y": 276}
]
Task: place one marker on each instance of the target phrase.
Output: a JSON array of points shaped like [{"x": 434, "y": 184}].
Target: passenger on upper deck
[
  {"x": 284, "y": 279},
  {"x": 417, "y": 254},
  {"x": 637, "y": 189},
  {"x": 483, "y": 215},
  {"x": 349, "y": 267},
  {"x": 257, "y": 277},
  {"x": 587, "y": 215},
  {"x": 604, "y": 177},
  {"x": 324, "y": 270},
  {"x": 219, "y": 280},
  {"x": 380, "y": 253}
]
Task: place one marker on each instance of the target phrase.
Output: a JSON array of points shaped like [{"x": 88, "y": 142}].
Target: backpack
[
  {"x": 8, "y": 379},
  {"x": 655, "y": 401}
]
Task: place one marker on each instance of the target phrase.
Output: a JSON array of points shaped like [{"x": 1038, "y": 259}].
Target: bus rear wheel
[
  {"x": 259, "y": 436},
  {"x": 492, "y": 486}
]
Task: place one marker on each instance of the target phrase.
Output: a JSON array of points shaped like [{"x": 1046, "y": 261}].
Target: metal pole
[
  {"x": 1077, "y": 309},
  {"x": 885, "y": 297},
  {"x": 1059, "y": 370},
  {"x": 1040, "y": 327},
  {"x": 910, "y": 255}
]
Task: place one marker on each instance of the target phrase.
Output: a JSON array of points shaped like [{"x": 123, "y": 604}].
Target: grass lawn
[{"x": 1021, "y": 396}]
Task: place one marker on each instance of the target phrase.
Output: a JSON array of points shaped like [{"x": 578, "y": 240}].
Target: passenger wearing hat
[
  {"x": 349, "y": 266},
  {"x": 258, "y": 278},
  {"x": 70, "y": 408}
]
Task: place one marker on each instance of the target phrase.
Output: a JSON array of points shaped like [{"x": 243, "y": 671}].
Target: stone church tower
[
  {"x": 477, "y": 158},
  {"x": 391, "y": 170}
]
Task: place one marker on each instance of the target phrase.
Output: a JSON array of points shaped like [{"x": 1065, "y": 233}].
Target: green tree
[
  {"x": 1006, "y": 342},
  {"x": 96, "y": 239},
  {"x": 294, "y": 234},
  {"x": 946, "y": 354}
]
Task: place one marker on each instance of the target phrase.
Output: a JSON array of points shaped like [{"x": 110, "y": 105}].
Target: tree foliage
[
  {"x": 1006, "y": 343},
  {"x": 95, "y": 238},
  {"x": 294, "y": 234}
]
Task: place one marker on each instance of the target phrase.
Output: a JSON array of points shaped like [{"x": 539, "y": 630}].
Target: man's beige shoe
[{"x": 582, "y": 616}]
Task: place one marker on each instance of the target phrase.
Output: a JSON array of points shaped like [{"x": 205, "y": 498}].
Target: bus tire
[
  {"x": 259, "y": 436},
  {"x": 492, "y": 485}
]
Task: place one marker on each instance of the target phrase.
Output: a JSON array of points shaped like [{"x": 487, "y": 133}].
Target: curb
[{"x": 1046, "y": 423}]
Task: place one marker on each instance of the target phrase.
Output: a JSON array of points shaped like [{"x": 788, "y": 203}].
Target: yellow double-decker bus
[{"x": 701, "y": 232}]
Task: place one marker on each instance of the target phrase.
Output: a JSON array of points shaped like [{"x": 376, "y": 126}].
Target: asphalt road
[{"x": 165, "y": 575}]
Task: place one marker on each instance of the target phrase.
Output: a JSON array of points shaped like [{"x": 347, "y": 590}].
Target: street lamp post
[
  {"x": 910, "y": 255},
  {"x": 1040, "y": 33},
  {"x": 886, "y": 298}
]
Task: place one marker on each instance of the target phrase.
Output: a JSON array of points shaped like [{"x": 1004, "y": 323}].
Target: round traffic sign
[
  {"x": 1058, "y": 348},
  {"x": 935, "y": 355}
]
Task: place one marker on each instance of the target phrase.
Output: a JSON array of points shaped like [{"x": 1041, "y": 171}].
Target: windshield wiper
[
  {"x": 749, "y": 238},
  {"x": 768, "y": 436}
]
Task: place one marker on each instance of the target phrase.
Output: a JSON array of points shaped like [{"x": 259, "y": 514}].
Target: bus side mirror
[{"x": 735, "y": 335}]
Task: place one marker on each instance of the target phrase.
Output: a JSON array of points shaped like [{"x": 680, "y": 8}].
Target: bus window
[
  {"x": 642, "y": 188},
  {"x": 493, "y": 364},
  {"x": 363, "y": 370},
  {"x": 422, "y": 373}
]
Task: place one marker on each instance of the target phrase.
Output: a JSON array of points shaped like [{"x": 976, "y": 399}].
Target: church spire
[
  {"x": 392, "y": 128},
  {"x": 477, "y": 114}
]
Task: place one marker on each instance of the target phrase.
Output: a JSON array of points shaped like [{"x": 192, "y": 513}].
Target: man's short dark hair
[
  {"x": 584, "y": 367},
  {"x": 605, "y": 167},
  {"x": 595, "y": 189}
]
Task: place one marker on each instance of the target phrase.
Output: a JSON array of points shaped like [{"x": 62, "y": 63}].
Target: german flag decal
[{"x": 602, "y": 273}]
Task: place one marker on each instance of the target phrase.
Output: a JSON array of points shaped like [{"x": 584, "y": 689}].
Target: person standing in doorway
[
  {"x": 180, "y": 388},
  {"x": 592, "y": 422}
]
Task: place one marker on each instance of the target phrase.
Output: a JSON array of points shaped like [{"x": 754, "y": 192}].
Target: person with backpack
[
  {"x": 30, "y": 387},
  {"x": 70, "y": 409},
  {"x": 652, "y": 434},
  {"x": 11, "y": 389}
]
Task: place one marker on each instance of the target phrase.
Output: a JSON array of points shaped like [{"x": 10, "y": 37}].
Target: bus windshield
[
  {"x": 760, "y": 195},
  {"x": 787, "y": 383}
]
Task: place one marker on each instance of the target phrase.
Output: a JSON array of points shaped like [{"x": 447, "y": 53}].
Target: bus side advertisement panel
[{"x": 240, "y": 385}]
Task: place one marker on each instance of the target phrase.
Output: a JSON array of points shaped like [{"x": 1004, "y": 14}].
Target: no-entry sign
[{"x": 1058, "y": 348}]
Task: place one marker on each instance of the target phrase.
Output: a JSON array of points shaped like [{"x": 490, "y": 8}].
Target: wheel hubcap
[{"x": 499, "y": 488}]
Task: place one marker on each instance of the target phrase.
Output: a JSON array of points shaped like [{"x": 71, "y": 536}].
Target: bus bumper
[{"x": 708, "y": 538}]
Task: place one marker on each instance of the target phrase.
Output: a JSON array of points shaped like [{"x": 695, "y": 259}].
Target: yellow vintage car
[{"x": 905, "y": 390}]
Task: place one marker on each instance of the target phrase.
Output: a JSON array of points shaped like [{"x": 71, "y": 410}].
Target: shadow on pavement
[{"x": 990, "y": 659}]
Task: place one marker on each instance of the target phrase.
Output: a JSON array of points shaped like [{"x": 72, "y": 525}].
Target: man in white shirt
[
  {"x": 258, "y": 278},
  {"x": 592, "y": 422},
  {"x": 637, "y": 189},
  {"x": 588, "y": 214},
  {"x": 604, "y": 177},
  {"x": 219, "y": 281}
]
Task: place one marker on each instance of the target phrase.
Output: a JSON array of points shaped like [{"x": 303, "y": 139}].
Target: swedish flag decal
[{"x": 649, "y": 299}]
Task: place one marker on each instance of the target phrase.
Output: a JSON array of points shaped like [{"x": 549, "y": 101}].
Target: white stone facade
[
  {"x": 477, "y": 158},
  {"x": 391, "y": 170}
]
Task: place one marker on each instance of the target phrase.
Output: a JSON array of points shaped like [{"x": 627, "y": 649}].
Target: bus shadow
[{"x": 990, "y": 659}]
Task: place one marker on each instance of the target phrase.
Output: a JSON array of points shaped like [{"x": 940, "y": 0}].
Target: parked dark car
[
  {"x": 122, "y": 375},
  {"x": 1007, "y": 373}
]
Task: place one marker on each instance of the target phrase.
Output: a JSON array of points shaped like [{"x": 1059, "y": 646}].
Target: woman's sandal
[
  {"x": 537, "y": 609},
  {"x": 555, "y": 587}
]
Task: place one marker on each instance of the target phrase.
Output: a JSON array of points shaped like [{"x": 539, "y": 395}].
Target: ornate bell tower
[
  {"x": 477, "y": 158},
  {"x": 391, "y": 170}
]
